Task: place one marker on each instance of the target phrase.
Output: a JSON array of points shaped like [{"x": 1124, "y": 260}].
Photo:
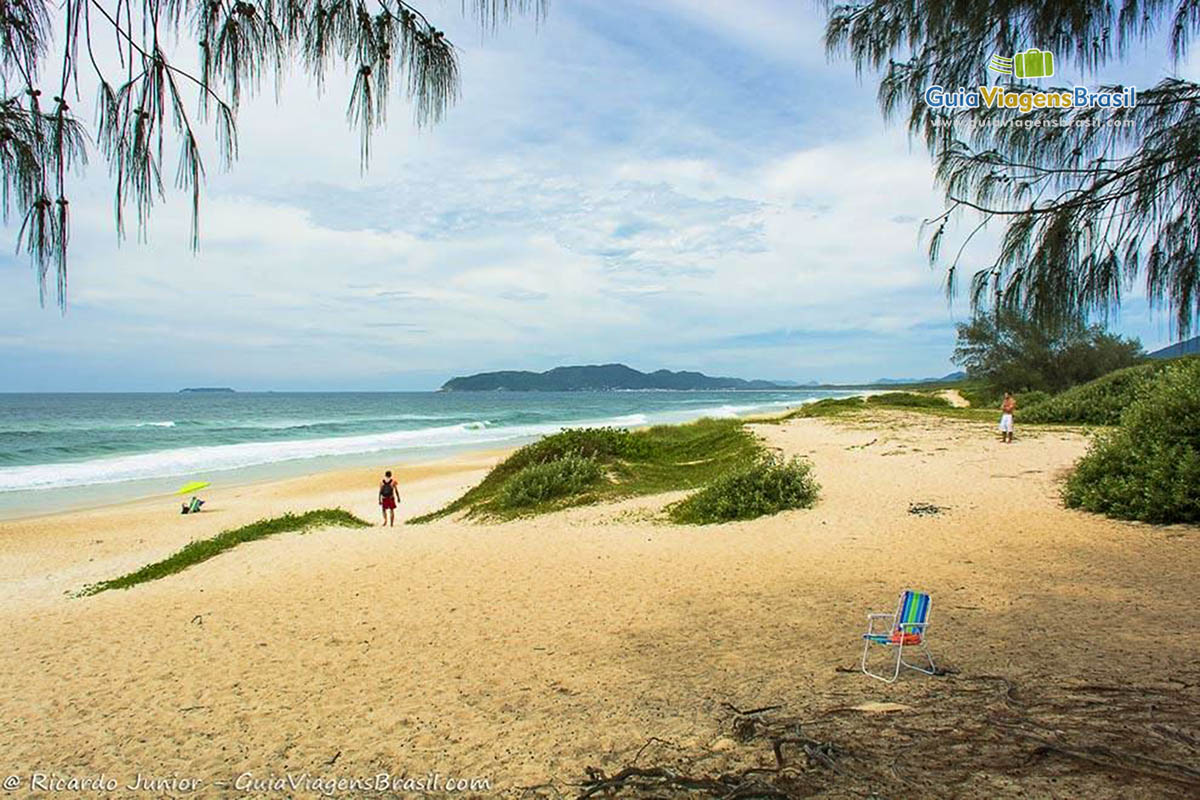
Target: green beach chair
[{"x": 907, "y": 628}]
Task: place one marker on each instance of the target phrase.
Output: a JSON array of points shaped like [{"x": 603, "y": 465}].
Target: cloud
[{"x": 698, "y": 189}]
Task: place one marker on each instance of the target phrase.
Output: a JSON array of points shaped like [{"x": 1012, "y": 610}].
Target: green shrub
[
  {"x": 601, "y": 443},
  {"x": 538, "y": 483},
  {"x": 1149, "y": 468},
  {"x": 908, "y": 400},
  {"x": 659, "y": 459},
  {"x": 979, "y": 394},
  {"x": 1030, "y": 399},
  {"x": 828, "y": 407},
  {"x": 767, "y": 487},
  {"x": 1098, "y": 402}
]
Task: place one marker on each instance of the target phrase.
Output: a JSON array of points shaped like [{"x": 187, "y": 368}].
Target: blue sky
[{"x": 676, "y": 187}]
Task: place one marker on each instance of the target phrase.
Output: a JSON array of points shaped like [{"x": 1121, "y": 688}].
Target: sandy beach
[{"x": 523, "y": 653}]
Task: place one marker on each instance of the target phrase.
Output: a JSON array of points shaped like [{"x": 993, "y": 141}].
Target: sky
[{"x": 665, "y": 185}]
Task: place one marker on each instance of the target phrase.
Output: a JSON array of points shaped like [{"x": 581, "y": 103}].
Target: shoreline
[
  {"x": 242, "y": 481},
  {"x": 33, "y": 503},
  {"x": 335, "y": 474},
  {"x": 63, "y": 486}
]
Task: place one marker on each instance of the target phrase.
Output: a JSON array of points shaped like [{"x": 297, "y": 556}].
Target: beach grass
[
  {"x": 836, "y": 406},
  {"x": 970, "y": 413},
  {"x": 908, "y": 400},
  {"x": 829, "y": 407},
  {"x": 588, "y": 465},
  {"x": 203, "y": 549},
  {"x": 765, "y": 487}
]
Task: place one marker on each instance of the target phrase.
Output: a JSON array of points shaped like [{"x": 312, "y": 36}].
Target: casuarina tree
[
  {"x": 1090, "y": 200},
  {"x": 163, "y": 72}
]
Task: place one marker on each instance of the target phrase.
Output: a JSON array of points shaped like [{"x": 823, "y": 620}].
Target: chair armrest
[
  {"x": 912, "y": 627},
  {"x": 871, "y": 622}
]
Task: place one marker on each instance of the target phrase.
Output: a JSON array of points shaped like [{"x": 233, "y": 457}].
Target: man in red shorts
[{"x": 388, "y": 491}]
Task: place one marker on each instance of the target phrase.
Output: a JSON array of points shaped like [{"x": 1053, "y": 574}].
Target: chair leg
[
  {"x": 876, "y": 676},
  {"x": 900, "y": 662},
  {"x": 932, "y": 667}
]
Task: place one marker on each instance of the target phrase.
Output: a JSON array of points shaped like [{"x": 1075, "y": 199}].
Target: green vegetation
[
  {"x": 594, "y": 378},
  {"x": 978, "y": 394},
  {"x": 1149, "y": 468},
  {"x": 1077, "y": 216},
  {"x": 829, "y": 407},
  {"x": 204, "y": 549},
  {"x": 1008, "y": 352},
  {"x": 833, "y": 406},
  {"x": 767, "y": 486},
  {"x": 1031, "y": 399},
  {"x": 580, "y": 466},
  {"x": 908, "y": 400},
  {"x": 1099, "y": 402},
  {"x": 149, "y": 96},
  {"x": 539, "y": 483}
]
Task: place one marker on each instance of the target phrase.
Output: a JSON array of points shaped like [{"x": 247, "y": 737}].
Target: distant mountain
[
  {"x": 205, "y": 390},
  {"x": 608, "y": 377},
  {"x": 953, "y": 376},
  {"x": 1188, "y": 347}
]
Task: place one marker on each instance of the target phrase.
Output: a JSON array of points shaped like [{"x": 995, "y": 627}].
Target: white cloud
[
  {"x": 603, "y": 192},
  {"x": 783, "y": 29}
]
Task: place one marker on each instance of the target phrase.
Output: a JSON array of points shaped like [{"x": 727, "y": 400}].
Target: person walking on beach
[
  {"x": 388, "y": 491},
  {"x": 1006, "y": 417}
]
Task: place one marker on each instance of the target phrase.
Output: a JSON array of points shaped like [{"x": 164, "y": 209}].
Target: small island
[
  {"x": 598, "y": 378},
  {"x": 206, "y": 390}
]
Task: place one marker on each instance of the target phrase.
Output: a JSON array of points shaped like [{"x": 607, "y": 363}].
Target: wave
[
  {"x": 42, "y": 427},
  {"x": 302, "y": 424},
  {"x": 205, "y": 459},
  {"x": 730, "y": 411},
  {"x": 105, "y": 427},
  {"x": 218, "y": 458}
]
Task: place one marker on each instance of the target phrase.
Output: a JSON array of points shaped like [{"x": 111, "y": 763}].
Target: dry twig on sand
[{"x": 981, "y": 735}]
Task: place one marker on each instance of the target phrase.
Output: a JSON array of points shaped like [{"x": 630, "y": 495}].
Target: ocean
[{"x": 69, "y": 450}]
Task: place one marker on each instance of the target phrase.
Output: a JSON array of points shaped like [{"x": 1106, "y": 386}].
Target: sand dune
[{"x": 527, "y": 651}]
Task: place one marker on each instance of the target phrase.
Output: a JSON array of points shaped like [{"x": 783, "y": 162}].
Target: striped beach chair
[{"x": 907, "y": 627}]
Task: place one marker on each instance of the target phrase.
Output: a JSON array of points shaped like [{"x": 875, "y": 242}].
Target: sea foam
[{"x": 206, "y": 459}]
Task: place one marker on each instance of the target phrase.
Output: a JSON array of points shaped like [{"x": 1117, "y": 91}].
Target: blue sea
[{"x": 66, "y": 450}]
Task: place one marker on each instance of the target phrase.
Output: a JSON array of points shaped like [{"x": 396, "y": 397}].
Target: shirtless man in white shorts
[{"x": 1006, "y": 418}]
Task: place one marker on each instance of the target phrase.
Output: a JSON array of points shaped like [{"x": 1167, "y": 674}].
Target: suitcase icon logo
[{"x": 1033, "y": 63}]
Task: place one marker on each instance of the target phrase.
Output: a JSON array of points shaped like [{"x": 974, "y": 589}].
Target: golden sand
[{"x": 526, "y": 651}]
